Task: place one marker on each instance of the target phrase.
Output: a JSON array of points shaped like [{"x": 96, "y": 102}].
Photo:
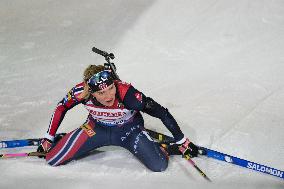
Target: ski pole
[
  {"x": 187, "y": 157},
  {"x": 162, "y": 138},
  {"x": 25, "y": 142},
  {"x": 19, "y": 143},
  {"x": 183, "y": 150},
  {"x": 3, "y": 156}
]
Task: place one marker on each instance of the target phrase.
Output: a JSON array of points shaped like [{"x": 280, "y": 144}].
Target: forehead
[{"x": 106, "y": 89}]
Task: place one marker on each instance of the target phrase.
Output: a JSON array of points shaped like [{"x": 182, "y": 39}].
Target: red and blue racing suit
[{"x": 121, "y": 125}]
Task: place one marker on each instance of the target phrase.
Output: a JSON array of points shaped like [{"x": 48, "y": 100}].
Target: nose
[{"x": 108, "y": 95}]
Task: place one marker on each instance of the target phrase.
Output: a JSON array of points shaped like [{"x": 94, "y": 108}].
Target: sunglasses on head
[{"x": 100, "y": 80}]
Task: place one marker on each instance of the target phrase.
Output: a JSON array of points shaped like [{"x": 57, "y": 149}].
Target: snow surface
[{"x": 218, "y": 65}]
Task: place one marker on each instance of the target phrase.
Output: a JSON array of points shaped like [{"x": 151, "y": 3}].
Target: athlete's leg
[
  {"x": 77, "y": 144},
  {"x": 139, "y": 143}
]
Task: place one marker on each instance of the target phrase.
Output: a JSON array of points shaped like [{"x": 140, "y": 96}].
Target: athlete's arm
[
  {"x": 67, "y": 103},
  {"x": 136, "y": 100}
]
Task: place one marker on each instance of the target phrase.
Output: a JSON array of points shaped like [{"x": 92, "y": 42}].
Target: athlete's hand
[
  {"x": 188, "y": 148},
  {"x": 44, "y": 146}
]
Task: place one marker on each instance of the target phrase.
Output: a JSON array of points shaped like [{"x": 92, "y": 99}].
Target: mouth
[{"x": 109, "y": 101}]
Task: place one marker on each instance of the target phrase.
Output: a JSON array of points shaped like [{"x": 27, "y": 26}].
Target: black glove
[
  {"x": 188, "y": 148},
  {"x": 174, "y": 149},
  {"x": 44, "y": 146}
]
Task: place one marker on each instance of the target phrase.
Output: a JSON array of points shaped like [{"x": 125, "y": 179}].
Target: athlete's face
[{"x": 106, "y": 96}]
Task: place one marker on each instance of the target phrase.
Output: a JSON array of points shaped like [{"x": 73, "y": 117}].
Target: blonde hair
[
  {"x": 88, "y": 73},
  {"x": 92, "y": 70}
]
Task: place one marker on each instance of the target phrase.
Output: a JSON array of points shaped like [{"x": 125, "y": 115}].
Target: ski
[
  {"x": 242, "y": 162},
  {"x": 162, "y": 138},
  {"x": 9, "y": 155},
  {"x": 23, "y": 142},
  {"x": 19, "y": 143}
]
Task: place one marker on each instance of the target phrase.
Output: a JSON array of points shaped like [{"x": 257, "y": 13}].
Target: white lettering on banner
[
  {"x": 107, "y": 114},
  {"x": 264, "y": 169},
  {"x": 110, "y": 116}
]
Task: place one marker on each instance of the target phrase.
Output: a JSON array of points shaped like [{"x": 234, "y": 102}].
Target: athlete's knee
[{"x": 159, "y": 166}]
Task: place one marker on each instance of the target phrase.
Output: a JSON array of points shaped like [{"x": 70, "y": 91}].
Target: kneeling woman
[{"x": 114, "y": 119}]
